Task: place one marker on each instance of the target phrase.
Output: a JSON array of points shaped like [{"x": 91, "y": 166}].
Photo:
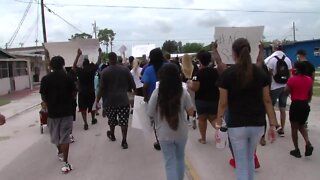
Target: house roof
[{"x": 5, "y": 55}]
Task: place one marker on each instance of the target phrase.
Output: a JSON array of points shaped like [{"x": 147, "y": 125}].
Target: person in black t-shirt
[
  {"x": 244, "y": 90},
  {"x": 86, "y": 95},
  {"x": 301, "y": 57},
  {"x": 206, "y": 93},
  {"x": 57, "y": 91}
]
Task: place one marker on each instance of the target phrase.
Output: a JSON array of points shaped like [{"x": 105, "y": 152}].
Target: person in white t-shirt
[
  {"x": 277, "y": 89},
  {"x": 136, "y": 73}
]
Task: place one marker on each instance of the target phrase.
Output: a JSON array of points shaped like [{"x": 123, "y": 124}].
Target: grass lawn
[
  {"x": 316, "y": 84},
  {"x": 4, "y": 102}
]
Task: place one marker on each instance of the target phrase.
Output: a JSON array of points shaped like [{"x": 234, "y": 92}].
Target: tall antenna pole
[
  {"x": 43, "y": 23},
  {"x": 95, "y": 29},
  {"x": 294, "y": 32}
]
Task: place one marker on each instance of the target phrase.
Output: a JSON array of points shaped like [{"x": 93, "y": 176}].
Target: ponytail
[{"x": 241, "y": 48}]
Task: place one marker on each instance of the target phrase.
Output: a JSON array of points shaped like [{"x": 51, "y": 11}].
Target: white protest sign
[
  {"x": 225, "y": 36},
  {"x": 68, "y": 50},
  {"x": 139, "y": 50},
  {"x": 140, "y": 119},
  {"x": 122, "y": 49}
]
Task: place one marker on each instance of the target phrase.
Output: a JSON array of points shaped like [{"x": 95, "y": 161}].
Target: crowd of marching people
[{"x": 236, "y": 99}]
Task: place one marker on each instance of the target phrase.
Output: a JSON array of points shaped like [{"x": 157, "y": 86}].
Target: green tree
[
  {"x": 106, "y": 37},
  {"x": 170, "y": 46},
  {"x": 81, "y": 36},
  {"x": 192, "y": 47}
]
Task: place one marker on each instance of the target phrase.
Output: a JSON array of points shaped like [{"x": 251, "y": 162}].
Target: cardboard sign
[
  {"x": 225, "y": 36},
  {"x": 140, "y": 50},
  {"x": 68, "y": 50}
]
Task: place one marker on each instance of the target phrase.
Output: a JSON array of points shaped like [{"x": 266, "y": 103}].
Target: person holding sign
[
  {"x": 244, "y": 90},
  {"x": 86, "y": 95},
  {"x": 206, "y": 93}
]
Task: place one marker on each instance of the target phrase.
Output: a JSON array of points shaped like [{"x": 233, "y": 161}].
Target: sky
[{"x": 138, "y": 26}]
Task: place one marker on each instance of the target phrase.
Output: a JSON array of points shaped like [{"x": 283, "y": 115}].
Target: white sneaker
[
  {"x": 71, "y": 138},
  {"x": 66, "y": 167},
  {"x": 60, "y": 157}
]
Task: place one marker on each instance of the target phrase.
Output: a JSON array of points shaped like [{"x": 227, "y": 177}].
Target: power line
[
  {"x": 63, "y": 19},
  {"x": 178, "y": 8},
  {"x": 19, "y": 25}
]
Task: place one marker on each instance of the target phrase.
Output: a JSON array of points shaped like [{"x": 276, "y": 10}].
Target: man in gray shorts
[
  {"x": 57, "y": 91},
  {"x": 277, "y": 89}
]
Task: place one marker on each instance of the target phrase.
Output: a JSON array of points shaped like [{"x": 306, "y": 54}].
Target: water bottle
[{"x": 221, "y": 138}]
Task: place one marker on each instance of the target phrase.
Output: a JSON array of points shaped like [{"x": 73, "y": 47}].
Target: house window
[
  {"x": 316, "y": 51},
  {"x": 4, "y": 70},
  {"x": 21, "y": 68}
]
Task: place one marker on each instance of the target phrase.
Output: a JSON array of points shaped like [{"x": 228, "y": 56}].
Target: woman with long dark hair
[
  {"x": 245, "y": 91},
  {"x": 167, "y": 106}
]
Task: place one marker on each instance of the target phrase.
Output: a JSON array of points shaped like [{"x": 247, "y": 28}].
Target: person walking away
[
  {"x": 149, "y": 76},
  {"x": 86, "y": 95},
  {"x": 97, "y": 78},
  {"x": 204, "y": 84},
  {"x": 115, "y": 82},
  {"x": 136, "y": 73},
  {"x": 279, "y": 66},
  {"x": 57, "y": 91},
  {"x": 73, "y": 76},
  {"x": 189, "y": 70},
  {"x": 244, "y": 90},
  {"x": 300, "y": 88},
  {"x": 167, "y": 106},
  {"x": 310, "y": 70}
]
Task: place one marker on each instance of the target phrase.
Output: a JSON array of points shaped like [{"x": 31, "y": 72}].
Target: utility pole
[
  {"x": 95, "y": 29},
  {"x": 46, "y": 59},
  {"x": 294, "y": 32},
  {"x": 43, "y": 23}
]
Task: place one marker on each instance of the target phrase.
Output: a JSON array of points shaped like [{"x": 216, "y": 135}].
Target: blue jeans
[
  {"x": 173, "y": 153},
  {"x": 244, "y": 141}
]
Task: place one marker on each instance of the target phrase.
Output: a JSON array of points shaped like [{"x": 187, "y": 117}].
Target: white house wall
[
  {"x": 22, "y": 82},
  {"x": 4, "y": 86}
]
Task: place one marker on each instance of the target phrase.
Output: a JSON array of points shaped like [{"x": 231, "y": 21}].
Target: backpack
[{"x": 282, "y": 75}]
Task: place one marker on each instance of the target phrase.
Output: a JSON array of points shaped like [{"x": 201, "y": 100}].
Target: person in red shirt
[{"x": 300, "y": 89}]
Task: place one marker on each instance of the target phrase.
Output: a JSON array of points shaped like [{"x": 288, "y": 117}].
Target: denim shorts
[
  {"x": 206, "y": 107},
  {"x": 278, "y": 94}
]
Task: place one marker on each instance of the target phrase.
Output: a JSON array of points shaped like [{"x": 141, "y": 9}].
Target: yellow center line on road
[{"x": 190, "y": 171}]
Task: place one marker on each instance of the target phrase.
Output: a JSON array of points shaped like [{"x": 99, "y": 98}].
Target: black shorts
[
  {"x": 118, "y": 115},
  {"x": 206, "y": 107},
  {"x": 86, "y": 101},
  {"x": 299, "y": 111},
  {"x": 139, "y": 91}
]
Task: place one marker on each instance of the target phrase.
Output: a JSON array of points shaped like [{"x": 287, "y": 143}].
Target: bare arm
[
  {"x": 223, "y": 103},
  {"x": 193, "y": 85},
  {"x": 260, "y": 57},
  {"x": 74, "y": 67},
  {"x": 217, "y": 59}
]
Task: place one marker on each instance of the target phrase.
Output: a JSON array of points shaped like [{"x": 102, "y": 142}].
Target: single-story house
[{"x": 15, "y": 73}]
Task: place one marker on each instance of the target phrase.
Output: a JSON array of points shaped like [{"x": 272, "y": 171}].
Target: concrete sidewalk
[{"x": 20, "y": 101}]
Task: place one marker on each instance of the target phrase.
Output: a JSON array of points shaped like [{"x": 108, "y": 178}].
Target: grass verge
[{"x": 4, "y": 102}]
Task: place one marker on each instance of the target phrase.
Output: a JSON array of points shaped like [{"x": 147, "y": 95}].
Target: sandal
[
  {"x": 111, "y": 136},
  {"x": 202, "y": 141}
]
